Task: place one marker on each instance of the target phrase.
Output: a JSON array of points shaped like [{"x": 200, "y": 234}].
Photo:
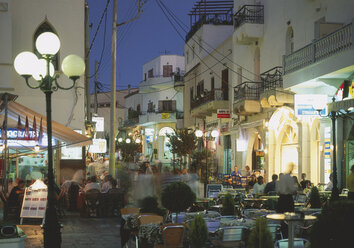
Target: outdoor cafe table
[
  {"x": 290, "y": 218},
  {"x": 254, "y": 202}
]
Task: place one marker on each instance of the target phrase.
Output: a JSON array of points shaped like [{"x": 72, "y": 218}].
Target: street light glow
[
  {"x": 127, "y": 141},
  {"x": 199, "y": 133},
  {"x": 137, "y": 141},
  {"x": 26, "y": 63},
  {"x": 73, "y": 66},
  {"x": 48, "y": 43},
  {"x": 41, "y": 70},
  {"x": 215, "y": 133},
  {"x": 120, "y": 139}
]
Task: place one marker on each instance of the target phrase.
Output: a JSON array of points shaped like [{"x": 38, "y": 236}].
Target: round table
[
  {"x": 255, "y": 202},
  {"x": 290, "y": 218}
]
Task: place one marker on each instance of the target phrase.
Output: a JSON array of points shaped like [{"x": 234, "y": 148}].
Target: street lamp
[
  {"x": 28, "y": 65},
  {"x": 319, "y": 106},
  {"x": 200, "y": 134}
]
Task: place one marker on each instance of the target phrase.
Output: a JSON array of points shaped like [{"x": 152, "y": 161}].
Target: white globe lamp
[
  {"x": 199, "y": 133},
  {"x": 26, "y": 63},
  {"x": 48, "y": 43},
  {"x": 73, "y": 66}
]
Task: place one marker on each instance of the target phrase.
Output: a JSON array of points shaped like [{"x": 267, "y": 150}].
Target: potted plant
[
  {"x": 260, "y": 236},
  {"x": 177, "y": 197},
  {"x": 198, "y": 232},
  {"x": 228, "y": 205},
  {"x": 150, "y": 205},
  {"x": 315, "y": 200}
]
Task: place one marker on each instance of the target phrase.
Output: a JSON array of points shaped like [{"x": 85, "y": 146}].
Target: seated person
[
  {"x": 92, "y": 184},
  {"x": 16, "y": 194},
  {"x": 305, "y": 183},
  {"x": 236, "y": 172},
  {"x": 106, "y": 185},
  {"x": 258, "y": 188},
  {"x": 329, "y": 186},
  {"x": 271, "y": 185}
]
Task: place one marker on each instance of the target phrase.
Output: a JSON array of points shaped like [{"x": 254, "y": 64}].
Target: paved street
[{"x": 79, "y": 232}]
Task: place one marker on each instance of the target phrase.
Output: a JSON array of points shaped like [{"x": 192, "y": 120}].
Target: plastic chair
[
  {"x": 275, "y": 230},
  {"x": 127, "y": 211},
  {"x": 298, "y": 243},
  {"x": 232, "y": 236},
  {"x": 92, "y": 201},
  {"x": 172, "y": 235},
  {"x": 212, "y": 224}
]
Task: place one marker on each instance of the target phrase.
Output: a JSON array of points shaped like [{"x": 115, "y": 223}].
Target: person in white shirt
[
  {"x": 286, "y": 188},
  {"x": 92, "y": 184},
  {"x": 258, "y": 188},
  {"x": 106, "y": 186}
]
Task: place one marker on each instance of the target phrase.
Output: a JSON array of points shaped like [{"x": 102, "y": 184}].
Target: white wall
[
  {"x": 5, "y": 45},
  {"x": 26, "y": 16},
  {"x": 157, "y": 64}
]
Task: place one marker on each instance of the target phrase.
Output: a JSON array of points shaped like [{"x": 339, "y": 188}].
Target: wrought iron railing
[
  {"x": 329, "y": 45},
  {"x": 272, "y": 78},
  {"x": 249, "y": 14},
  {"x": 131, "y": 122},
  {"x": 215, "y": 19},
  {"x": 178, "y": 78},
  {"x": 248, "y": 91},
  {"x": 208, "y": 96}
]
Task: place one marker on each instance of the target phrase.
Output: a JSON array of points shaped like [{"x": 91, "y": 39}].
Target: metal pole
[
  {"x": 96, "y": 102},
  {"x": 5, "y": 144},
  {"x": 52, "y": 235},
  {"x": 335, "y": 191},
  {"x": 87, "y": 65},
  {"x": 206, "y": 160},
  {"x": 112, "y": 133}
]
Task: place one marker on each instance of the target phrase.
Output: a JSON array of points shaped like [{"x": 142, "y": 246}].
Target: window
[
  {"x": 144, "y": 76},
  {"x": 212, "y": 83},
  {"x": 167, "y": 70},
  {"x": 200, "y": 88},
  {"x": 151, "y": 107},
  {"x": 151, "y": 73},
  {"x": 44, "y": 27},
  {"x": 167, "y": 106},
  {"x": 191, "y": 94}
]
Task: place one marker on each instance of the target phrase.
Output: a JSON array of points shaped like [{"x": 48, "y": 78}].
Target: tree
[
  {"x": 183, "y": 142},
  {"x": 198, "y": 233},
  {"x": 128, "y": 150},
  {"x": 260, "y": 236}
]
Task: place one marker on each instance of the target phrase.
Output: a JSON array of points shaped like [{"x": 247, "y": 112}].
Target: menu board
[{"x": 34, "y": 203}]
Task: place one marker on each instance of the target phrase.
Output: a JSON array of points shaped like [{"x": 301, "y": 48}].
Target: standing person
[
  {"x": 350, "y": 183},
  {"x": 16, "y": 195},
  {"x": 304, "y": 183},
  {"x": 286, "y": 188},
  {"x": 258, "y": 188},
  {"x": 270, "y": 187}
]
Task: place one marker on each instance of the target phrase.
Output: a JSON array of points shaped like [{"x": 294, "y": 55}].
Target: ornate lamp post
[
  {"x": 42, "y": 70},
  {"x": 200, "y": 134}
]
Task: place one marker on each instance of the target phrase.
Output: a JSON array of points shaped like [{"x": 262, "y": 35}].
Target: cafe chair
[
  {"x": 275, "y": 230},
  {"x": 172, "y": 235},
  {"x": 212, "y": 225},
  {"x": 114, "y": 202},
  {"x": 149, "y": 219},
  {"x": 128, "y": 211},
  {"x": 180, "y": 217},
  {"x": 92, "y": 202},
  {"x": 298, "y": 243},
  {"x": 233, "y": 236}
]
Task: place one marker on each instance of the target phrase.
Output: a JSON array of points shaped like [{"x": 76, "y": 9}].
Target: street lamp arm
[
  {"x": 26, "y": 77},
  {"x": 57, "y": 85}
]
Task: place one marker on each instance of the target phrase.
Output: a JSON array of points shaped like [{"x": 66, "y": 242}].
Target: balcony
[
  {"x": 248, "y": 23},
  {"x": 209, "y": 12},
  {"x": 149, "y": 118},
  {"x": 246, "y": 98},
  {"x": 209, "y": 103},
  {"x": 131, "y": 122},
  {"x": 178, "y": 83},
  {"x": 332, "y": 44},
  {"x": 273, "y": 93}
]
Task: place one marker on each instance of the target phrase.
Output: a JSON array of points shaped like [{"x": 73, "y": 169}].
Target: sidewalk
[{"x": 79, "y": 232}]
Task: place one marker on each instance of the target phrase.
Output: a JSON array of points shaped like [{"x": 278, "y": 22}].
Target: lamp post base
[{"x": 51, "y": 229}]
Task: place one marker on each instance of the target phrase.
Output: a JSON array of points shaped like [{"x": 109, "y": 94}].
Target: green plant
[
  {"x": 228, "y": 205},
  {"x": 128, "y": 150},
  {"x": 177, "y": 197},
  {"x": 332, "y": 229},
  {"x": 198, "y": 233},
  {"x": 315, "y": 200},
  {"x": 260, "y": 236},
  {"x": 150, "y": 205}
]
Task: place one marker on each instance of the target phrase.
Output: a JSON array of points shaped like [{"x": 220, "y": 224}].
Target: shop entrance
[{"x": 257, "y": 154}]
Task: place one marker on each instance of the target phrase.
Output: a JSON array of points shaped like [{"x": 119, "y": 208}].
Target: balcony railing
[
  {"x": 208, "y": 96},
  {"x": 248, "y": 91},
  {"x": 131, "y": 122},
  {"x": 272, "y": 78},
  {"x": 249, "y": 14},
  {"x": 329, "y": 45},
  {"x": 215, "y": 19}
]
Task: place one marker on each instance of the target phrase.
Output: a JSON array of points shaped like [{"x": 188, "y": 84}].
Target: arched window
[
  {"x": 45, "y": 27},
  {"x": 289, "y": 42}
]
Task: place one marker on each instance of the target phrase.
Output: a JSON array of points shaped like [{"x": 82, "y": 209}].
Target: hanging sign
[
  {"x": 98, "y": 146},
  {"x": 304, "y": 105},
  {"x": 223, "y": 113},
  {"x": 99, "y": 123},
  {"x": 34, "y": 201}
]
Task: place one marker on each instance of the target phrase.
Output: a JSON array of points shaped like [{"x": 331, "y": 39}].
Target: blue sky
[{"x": 138, "y": 42}]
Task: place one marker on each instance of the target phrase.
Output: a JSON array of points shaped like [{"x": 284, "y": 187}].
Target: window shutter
[
  {"x": 174, "y": 105},
  {"x": 160, "y": 106}
]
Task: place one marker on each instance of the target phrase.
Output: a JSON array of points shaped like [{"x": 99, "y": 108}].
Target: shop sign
[
  {"x": 98, "y": 146},
  {"x": 327, "y": 153},
  {"x": 165, "y": 116},
  {"x": 149, "y": 131},
  {"x": 223, "y": 113},
  {"x": 99, "y": 123},
  {"x": 20, "y": 142},
  {"x": 304, "y": 105},
  {"x": 34, "y": 202},
  {"x": 148, "y": 138}
]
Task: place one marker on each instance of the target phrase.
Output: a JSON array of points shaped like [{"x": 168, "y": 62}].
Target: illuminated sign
[
  {"x": 327, "y": 153},
  {"x": 98, "y": 146},
  {"x": 149, "y": 131},
  {"x": 304, "y": 105},
  {"x": 99, "y": 123},
  {"x": 165, "y": 116},
  {"x": 21, "y": 142},
  {"x": 223, "y": 113}
]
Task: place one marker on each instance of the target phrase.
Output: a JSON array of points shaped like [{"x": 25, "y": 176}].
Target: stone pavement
[{"x": 78, "y": 232}]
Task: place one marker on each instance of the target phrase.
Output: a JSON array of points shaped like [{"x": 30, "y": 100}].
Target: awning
[{"x": 59, "y": 131}]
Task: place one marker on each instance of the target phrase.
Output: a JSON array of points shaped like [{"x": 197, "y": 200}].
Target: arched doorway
[{"x": 255, "y": 150}]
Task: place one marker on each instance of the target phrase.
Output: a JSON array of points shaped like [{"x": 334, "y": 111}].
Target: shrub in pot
[
  {"x": 150, "y": 205},
  {"x": 228, "y": 205},
  {"x": 315, "y": 200},
  {"x": 332, "y": 229},
  {"x": 198, "y": 232},
  {"x": 260, "y": 236},
  {"x": 177, "y": 197}
]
